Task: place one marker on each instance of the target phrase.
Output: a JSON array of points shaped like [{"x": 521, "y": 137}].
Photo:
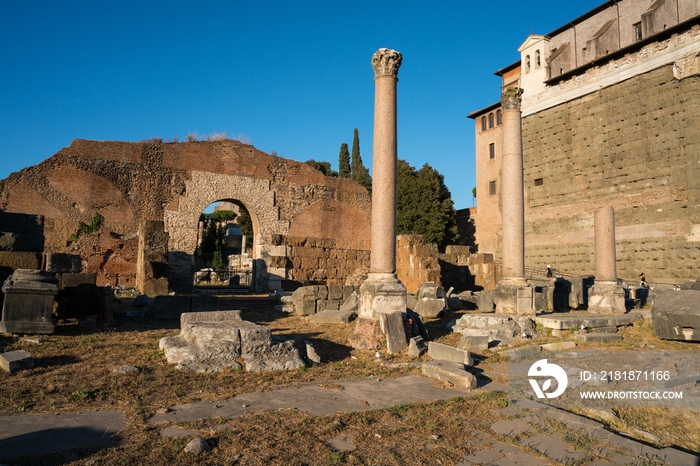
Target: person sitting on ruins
[{"x": 643, "y": 280}]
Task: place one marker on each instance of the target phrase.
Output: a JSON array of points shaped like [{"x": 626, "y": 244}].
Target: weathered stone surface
[
  {"x": 10, "y": 241},
  {"x": 473, "y": 343},
  {"x": 63, "y": 263},
  {"x": 559, "y": 346},
  {"x": 604, "y": 298},
  {"x": 29, "y": 296},
  {"x": 311, "y": 354},
  {"x": 392, "y": 326},
  {"x": 352, "y": 303},
  {"x": 514, "y": 298},
  {"x": 254, "y": 338},
  {"x": 577, "y": 320},
  {"x": 367, "y": 335},
  {"x": 449, "y": 353},
  {"x": 495, "y": 327},
  {"x": 281, "y": 356},
  {"x": 126, "y": 370},
  {"x": 452, "y": 372},
  {"x": 598, "y": 337},
  {"x": 14, "y": 361},
  {"x": 485, "y": 301},
  {"x": 676, "y": 315},
  {"x": 197, "y": 446},
  {"x": 332, "y": 317},
  {"x": 431, "y": 300},
  {"x": 342, "y": 442},
  {"x": 416, "y": 347}
]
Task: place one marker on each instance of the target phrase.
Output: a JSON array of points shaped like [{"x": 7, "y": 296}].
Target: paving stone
[
  {"x": 554, "y": 449},
  {"x": 598, "y": 337},
  {"x": 483, "y": 456},
  {"x": 14, "y": 361},
  {"x": 176, "y": 432},
  {"x": 330, "y": 316},
  {"x": 514, "y": 427},
  {"x": 342, "y": 443}
]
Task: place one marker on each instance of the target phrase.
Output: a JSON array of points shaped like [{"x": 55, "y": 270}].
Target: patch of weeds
[
  {"x": 497, "y": 397},
  {"x": 84, "y": 394},
  {"x": 581, "y": 442},
  {"x": 220, "y": 420},
  {"x": 337, "y": 457},
  {"x": 85, "y": 229},
  {"x": 24, "y": 406},
  {"x": 155, "y": 354}
]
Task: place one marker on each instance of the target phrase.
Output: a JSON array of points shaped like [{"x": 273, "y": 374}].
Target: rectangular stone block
[
  {"x": 598, "y": 337},
  {"x": 559, "y": 346},
  {"x": 452, "y": 372},
  {"x": 63, "y": 263},
  {"x": 254, "y": 338},
  {"x": 75, "y": 280},
  {"x": 14, "y": 260},
  {"x": 212, "y": 316},
  {"x": 474, "y": 343},
  {"x": 32, "y": 243},
  {"x": 332, "y": 317},
  {"x": 328, "y": 304},
  {"x": 392, "y": 326},
  {"x": 13, "y": 222},
  {"x": 305, "y": 307},
  {"x": 171, "y": 307},
  {"x": 29, "y": 298},
  {"x": 14, "y": 361},
  {"x": 416, "y": 347},
  {"x": 34, "y": 225},
  {"x": 676, "y": 315},
  {"x": 449, "y": 353},
  {"x": 335, "y": 292}
]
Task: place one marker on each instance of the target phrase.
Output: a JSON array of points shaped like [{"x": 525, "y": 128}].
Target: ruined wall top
[
  {"x": 511, "y": 98},
  {"x": 386, "y": 62}
]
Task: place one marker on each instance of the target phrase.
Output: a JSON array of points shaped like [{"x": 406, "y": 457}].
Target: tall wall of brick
[{"x": 635, "y": 146}]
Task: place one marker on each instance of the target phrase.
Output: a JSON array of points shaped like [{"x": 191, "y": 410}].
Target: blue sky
[{"x": 292, "y": 77}]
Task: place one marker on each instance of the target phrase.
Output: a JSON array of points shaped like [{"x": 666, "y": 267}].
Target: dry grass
[{"x": 74, "y": 372}]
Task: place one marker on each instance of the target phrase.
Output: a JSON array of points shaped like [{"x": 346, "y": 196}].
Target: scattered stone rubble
[
  {"x": 431, "y": 301},
  {"x": 214, "y": 341}
]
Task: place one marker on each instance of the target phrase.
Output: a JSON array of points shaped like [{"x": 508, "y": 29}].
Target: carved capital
[
  {"x": 686, "y": 67},
  {"x": 386, "y": 62},
  {"x": 511, "y": 98}
]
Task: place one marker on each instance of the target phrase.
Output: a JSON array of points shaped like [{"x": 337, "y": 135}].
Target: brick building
[{"x": 611, "y": 116}]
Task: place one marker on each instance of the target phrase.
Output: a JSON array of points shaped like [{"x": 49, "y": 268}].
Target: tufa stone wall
[{"x": 634, "y": 146}]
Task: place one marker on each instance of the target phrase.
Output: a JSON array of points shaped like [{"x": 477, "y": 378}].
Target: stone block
[
  {"x": 314, "y": 292},
  {"x": 676, "y": 315},
  {"x": 451, "y": 372},
  {"x": 495, "y": 327},
  {"x": 14, "y": 260},
  {"x": 416, "y": 347},
  {"x": 449, "y": 353},
  {"x": 77, "y": 283},
  {"x": 13, "y": 222},
  {"x": 171, "y": 307},
  {"x": 514, "y": 298},
  {"x": 10, "y": 241},
  {"x": 204, "y": 303},
  {"x": 473, "y": 343},
  {"x": 559, "y": 346},
  {"x": 485, "y": 301},
  {"x": 392, "y": 326},
  {"x": 381, "y": 294},
  {"x": 367, "y": 334},
  {"x": 14, "y": 361},
  {"x": 604, "y": 298},
  {"x": 155, "y": 287},
  {"x": 63, "y": 263},
  {"x": 327, "y": 304},
  {"x": 335, "y": 292},
  {"x": 29, "y": 297},
  {"x": 565, "y": 321},
  {"x": 254, "y": 338},
  {"x": 352, "y": 303},
  {"x": 213, "y": 316},
  {"x": 32, "y": 243},
  {"x": 598, "y": 337},
  {"x": 305, "y": 307},
  {"x": 332, "y": 317},
  {"x": 34, "y": 226},
  {"x": 282, "y": 356}
]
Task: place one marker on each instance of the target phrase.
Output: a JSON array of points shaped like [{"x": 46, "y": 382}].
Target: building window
[
  {"x": 527, "y": 63},
  {"x": 539, "y": 181},
  {"x": 499, "y": 118},
  {"x": 492, "y": 188},
  {"x": 492, "y": 151},
  {"x": 537, "y": 59},
  {"x": 637, "y": 31},
  {"x": 483, "y": 123},
  {"x": 491, "y": 120}
]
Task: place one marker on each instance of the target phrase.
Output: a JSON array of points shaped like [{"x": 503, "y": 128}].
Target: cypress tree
[
  {"x": 344, "y": 170},
  {"x": 360, "y": 173}
]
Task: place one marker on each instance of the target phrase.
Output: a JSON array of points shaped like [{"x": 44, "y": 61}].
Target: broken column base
[
  {"x": 606, "y": 298},
  {"x": 381, "y": 295},
  {"x": 514, "y": 296}
]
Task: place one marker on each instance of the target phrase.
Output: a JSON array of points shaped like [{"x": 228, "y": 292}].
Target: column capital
[
  {"x": 511, "y": 98},
  {"x": 386, "y": 62}
]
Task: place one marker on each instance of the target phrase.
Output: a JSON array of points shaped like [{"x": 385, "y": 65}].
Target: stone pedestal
[
  {"x": 29, "y": 296},
  {"x": 606, "y": 298},
  {"x": 514, "y": 297}
]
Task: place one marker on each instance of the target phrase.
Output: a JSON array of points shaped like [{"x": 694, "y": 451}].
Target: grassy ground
[{"x": 73, "y": 371}]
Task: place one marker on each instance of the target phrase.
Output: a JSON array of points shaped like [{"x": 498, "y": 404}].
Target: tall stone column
[
  {"x": 513, "y": 295},
  {"x": 605, "y": 296},
  {"x": 382, "y": 295}
]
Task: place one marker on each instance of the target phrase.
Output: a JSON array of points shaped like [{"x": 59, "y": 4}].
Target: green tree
[
  {"x": 344, "y": 170},
  {"x": 323, "y": 167},
  {"x": 424, "y": 205},
  {"x": 214, "y": 236},
  {"x": 245, "y": 223},
  {"x": 360, "y": 173}
]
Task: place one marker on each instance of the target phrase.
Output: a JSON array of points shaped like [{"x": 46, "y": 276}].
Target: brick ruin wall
[
  {"x": 315, "y": 228},
  {"x": 635, "y": 146}
]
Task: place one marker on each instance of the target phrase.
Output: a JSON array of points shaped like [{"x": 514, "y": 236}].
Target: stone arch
[{"x": 203, "y": 188}]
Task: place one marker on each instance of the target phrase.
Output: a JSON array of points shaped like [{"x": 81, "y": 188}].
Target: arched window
[
  {"x": 483, "y": 123},
  {"x": 499, "y": 118},
  {"x": 527, "y": 63},
  {"x": 537, "y": 59},
  {"x": 491, "y": 120}
]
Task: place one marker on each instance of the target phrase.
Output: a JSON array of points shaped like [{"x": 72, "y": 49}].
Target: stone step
[
  {"x": 598, "y": 337},
  {"x": 448, "y": 371}
]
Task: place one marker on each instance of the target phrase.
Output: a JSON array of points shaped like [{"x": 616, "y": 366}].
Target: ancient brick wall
[
  {"x": 127, "y": 183},
  {"x": 635, "y": 146}
]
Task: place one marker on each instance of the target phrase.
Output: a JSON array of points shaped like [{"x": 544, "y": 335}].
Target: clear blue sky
[{"x": 292, "y": 76}]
